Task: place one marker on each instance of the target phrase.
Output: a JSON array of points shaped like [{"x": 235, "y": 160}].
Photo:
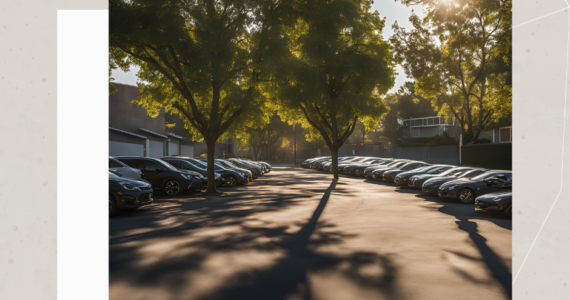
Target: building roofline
[
  {"x": 152, "y": 132},
  {"x": 113, "y": 82},
  {"x": 174, "y": 136},
  {"x": 129, "y": 133}
]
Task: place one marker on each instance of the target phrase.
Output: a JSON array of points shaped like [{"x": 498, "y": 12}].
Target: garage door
[
  {"x": 125, "y": 149},
  {"x": 173, "y": 148},
  {"x": 156, "y": 149},
  {"x": 187, "y": 151}
]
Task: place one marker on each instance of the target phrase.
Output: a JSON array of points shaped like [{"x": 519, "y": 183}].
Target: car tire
[
  {"x": 358, "y": 172},
  {"x": 112, "y": 206},
  {"x": 509, "y": 211},
  {"x": 254, "y": 174},
  {"x": 172, "y": 187},
  {"x": 466, "y": 196},
  {"x": 230, "y": 180}
]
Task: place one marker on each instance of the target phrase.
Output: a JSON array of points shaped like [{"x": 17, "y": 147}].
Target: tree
[
  {"x": 203, "y": 60},
  {"x": 450, "y": 54},
  {"x": 337, "y": 69},
  {"x": 266, "y": 136},
  {"x": 405, "y": 104}
]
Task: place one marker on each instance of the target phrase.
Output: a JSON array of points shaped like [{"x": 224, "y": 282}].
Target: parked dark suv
[
  {"x": 163, "y": 176},
  {"x": 125, "y": 193}
]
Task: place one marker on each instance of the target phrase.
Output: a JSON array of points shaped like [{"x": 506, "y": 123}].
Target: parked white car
[{"x": 121, "y": 169}]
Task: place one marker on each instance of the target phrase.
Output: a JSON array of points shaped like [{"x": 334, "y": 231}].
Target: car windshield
[
  {"x": 482, "y": 176},
  {"x": 453, "y": 172},
  {"x": 394, "y": 163},
  {"x": 113, "y": 176},
  {"x": 435, "y": 170},
  {"x": 166, "y": 165},
  {"x": 469, "y": 173},
  {"x": 423, "y": 169}
]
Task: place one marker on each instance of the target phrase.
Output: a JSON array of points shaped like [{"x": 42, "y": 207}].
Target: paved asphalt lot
[{"x": 295, "y": 234}]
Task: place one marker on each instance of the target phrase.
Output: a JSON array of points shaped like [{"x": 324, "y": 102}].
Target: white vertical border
[{"x": 82, "y": 151}]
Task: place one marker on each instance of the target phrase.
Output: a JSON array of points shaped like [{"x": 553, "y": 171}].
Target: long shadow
[
  {"x": 285, "y": 278},
  {"x": 464, "y": 213}
]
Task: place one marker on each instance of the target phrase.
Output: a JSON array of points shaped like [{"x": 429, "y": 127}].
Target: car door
[
  {"x": 152, "y": 172},
  {"x": 493, "y": 184}
]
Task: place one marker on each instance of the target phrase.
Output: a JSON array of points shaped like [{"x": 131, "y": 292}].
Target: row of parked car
[
  {"x": 487, "y": 189},
  {"x": 133, "y": 180}
]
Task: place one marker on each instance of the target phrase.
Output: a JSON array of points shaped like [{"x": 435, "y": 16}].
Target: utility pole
[{"x": 295, "y": 144}]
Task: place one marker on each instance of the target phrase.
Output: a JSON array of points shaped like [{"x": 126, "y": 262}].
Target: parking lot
[{"x": 296, "y": 234}]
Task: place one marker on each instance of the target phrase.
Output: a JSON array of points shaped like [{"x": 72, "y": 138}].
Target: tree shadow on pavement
[
  {"x": 464, "y": 213},
  {"x": 286, "y": 277}
]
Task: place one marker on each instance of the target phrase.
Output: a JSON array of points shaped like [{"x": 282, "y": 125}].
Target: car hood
[
  {"x": 135, "y": 182},
  {"x": 462, "y": 182},
  {"x": 496, "y": 196},
  {"x": 409, "y": 174},
  {"x": 427, "y": 176},
  {"x": 437, "y": 179}
]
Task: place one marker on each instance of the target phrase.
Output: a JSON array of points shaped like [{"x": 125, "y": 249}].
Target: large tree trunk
[
  {"x": 334, "y": 157},
  {"x": 211, "y": 145}
]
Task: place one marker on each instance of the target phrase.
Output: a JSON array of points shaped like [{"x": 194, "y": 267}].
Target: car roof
[{"x": 136, "y": 157}]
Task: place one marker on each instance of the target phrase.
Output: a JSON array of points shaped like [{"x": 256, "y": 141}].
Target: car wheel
[
  {"x": 358, "y": 172},
  {"x": 172, "y": 187},
  {"x": 231, "y": 180},
  {"x": 509, "y": 210},
  {"x": 254, "y": 174},
  {"x": 466, "y": 196},
  {"x": 112, "y": 206}
]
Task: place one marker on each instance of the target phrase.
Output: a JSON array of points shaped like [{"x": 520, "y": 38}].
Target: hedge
[{"x": 491, "y": 156}]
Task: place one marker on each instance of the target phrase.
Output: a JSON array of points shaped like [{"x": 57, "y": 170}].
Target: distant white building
[{"x": 429, "y": 127}]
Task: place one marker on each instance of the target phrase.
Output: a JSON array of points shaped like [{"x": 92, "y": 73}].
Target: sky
[{"x": 391, "y": 10}]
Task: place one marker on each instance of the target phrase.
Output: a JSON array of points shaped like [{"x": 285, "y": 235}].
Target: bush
[
  {"x": 492, "y": 156},
  {"x": 483, "y": 141},
  {"x": 437, "y": 140}
]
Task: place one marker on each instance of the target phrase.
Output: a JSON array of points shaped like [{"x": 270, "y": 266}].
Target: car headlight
[
  {"x": 130, "y": 187},
  {"x": 187, "y": 176},
  {"x": 451, "y": 188}
]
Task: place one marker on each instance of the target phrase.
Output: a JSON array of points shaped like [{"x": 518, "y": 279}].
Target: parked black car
[
  {"x": 163, "y": 176},
  {"x": 357, "y": 169},
  {"x": 393, "y": 164},
  {"x": 410, "y": 165},
  {"x": 306, "y": 163},
  {"x": 230, "y": 166},
  {"x": 255, "y": 170},
  {"x": 466, "y": 190},
  {"x": 403, "y": 177},
  {"x": 431, "y": 184},
  {"x": 418, "y": 180},
  {"x": 127, "y": 193},
  {"x": 499, "y": 201},
  {"x": 183, "y": 163},
  {"x": 231, "y": 176},
  {"x": 327, "y": 165}
]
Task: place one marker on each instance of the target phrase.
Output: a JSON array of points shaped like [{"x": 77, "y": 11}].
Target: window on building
[
  {"x": 505, "y": 135},
  {"x": 436, "y": 121},
  {"x": 430, "y": 121}
]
